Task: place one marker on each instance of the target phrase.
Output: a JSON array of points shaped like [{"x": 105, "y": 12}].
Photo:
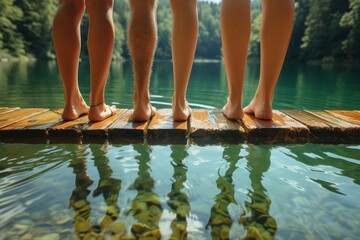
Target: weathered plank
[
  {"x": 68, "y": 131},
  {"x": 162, "y": 129},
  {"x": 341, "y": 131},
  {"x": 349, "y": 116},
  {"x": 320, "y": 131},
  {"x": 7, "y": 110},
  {"x": 33, "y": 127},
  {"x": 281, "y": 129},
  {"x": 98, "y": 130},
  {"x": 228, "y": 130},
  {"x": 124, "y": 130},
  {"x": 203, "y": 127},
  {"x": 18, "y": 115}
]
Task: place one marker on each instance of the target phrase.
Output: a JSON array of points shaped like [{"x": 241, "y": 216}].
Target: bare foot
[
  {"x": 100, "y": 112},
  {"x": 143, "y": 113},
  {"x": 233, "y": 111},
  {"x": 74, "y": 110},
  {"x": 181, "y": 112},
  {"x": 260, "y": 109}
]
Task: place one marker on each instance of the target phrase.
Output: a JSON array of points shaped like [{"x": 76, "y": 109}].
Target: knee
[
  {"x": 77, "y": 7},
  {"x": 95, "y": 6},
  {"x": 143, "y": 6},
  {"x": 182, "y": 4}
]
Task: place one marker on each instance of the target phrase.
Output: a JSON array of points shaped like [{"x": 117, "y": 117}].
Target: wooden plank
[
  {"x": 68, "y": 131},
  {"x": 203, "y": 127},
  {"x": 230, "y": 131},
  {"x": 7, "y": 110},
  {"x": 349, "y": 116},
  {"x": 281, "y": 129},
  {"x": 98, "y": 130},
  {"x": 341, "y": 131},
  {"x": 33, "y": 127},
  {"x": 18, "y": 115},
  {"x": 124, "y": 130},
  {"x": 162, "y": 129},
  {"x": 320, "y": 131}
]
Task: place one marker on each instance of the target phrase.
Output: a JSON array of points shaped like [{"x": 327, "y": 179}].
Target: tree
[
  {"x": 314, "y": 41},
  {"x": 36, "y": 25},
  {"x": 301, "y": 12},
  {"x": 11, "y": 41},
  {"x": 209, "y": 39},
  {"x": 351, "y": 21}
]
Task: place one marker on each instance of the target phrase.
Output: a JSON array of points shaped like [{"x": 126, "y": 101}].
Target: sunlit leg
[
  {"x": 66, "y": 36},
  {"x": 276, "y": 29},
  {"x": 100, "y": 46},
  {"x": 235, "y": 34},
  {"x": 142, "y": 41},
  {"x": 184, "y": 36}
]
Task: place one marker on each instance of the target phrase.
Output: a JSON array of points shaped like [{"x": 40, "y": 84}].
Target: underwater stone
[
  {"x": 82, "y": 226},
  {"x": 139, "y": 228},
  {"x": 93, "y": 236},
  {"x": 154, "y": 211},
  {"x": 80, "y": 204},
  {"x": 20, "y": 229},
  {"x": 116, "y": 227},
  {"x": 142, "y": 216},
  {"x": 27, "y": 236},
  {"x": 104, "y": 222},
  {"x": 51, "y": 236},
  {"x": 128, "y": 237},
  {"x": 113, "y": 211},
  {"x": 152, "y": 234},
  {"x": 224, "y": 232}
]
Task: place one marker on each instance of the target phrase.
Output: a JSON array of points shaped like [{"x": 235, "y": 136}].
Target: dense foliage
[{"x": 324, "y": 30}]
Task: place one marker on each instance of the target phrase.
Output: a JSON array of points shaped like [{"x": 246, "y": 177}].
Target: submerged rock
[
  {"x": 139, "y": 229},
  {"x": 50, "y": 236}
]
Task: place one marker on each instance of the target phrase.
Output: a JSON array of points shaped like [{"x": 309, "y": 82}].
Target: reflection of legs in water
[
  {"x": 220, "y": 220},
  {"x": 178, "y": 201},
  {"x": 259, "y": 224},
  {"x": 145, "y": 207},
  {"x": 78, "y": 199},
  {"x": 276, "y": 28},
  {"x": 109, "y": 187}
]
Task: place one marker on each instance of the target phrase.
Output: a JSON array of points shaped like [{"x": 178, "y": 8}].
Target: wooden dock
[{"x": 39, "y": 125}]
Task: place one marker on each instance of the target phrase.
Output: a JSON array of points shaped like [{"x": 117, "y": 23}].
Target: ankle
[
  {"x": 141, "y": 98},
  {"x": 235, "y": 101},
  {"x": 181, "y": 102}
]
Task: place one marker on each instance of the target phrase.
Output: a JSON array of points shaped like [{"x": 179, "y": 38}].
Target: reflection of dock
[{"x": 38, "y": 125}]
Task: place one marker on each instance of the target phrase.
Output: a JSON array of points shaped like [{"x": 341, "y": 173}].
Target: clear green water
[{"x": 70, "y": 191}]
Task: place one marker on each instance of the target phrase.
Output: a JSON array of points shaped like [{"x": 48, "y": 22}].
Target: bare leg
[
  {"x": 142, "y": 42},
  {"x": 276, "y": 29},
  {"x": 100, "y": 45},
  {"x": 66, "y": 35},
  {"x": 235, "y": 34},
  {"x": 184, "y": 36}
]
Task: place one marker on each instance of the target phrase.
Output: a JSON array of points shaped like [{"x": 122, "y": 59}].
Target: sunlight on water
[{"x": 220, "y": 192}]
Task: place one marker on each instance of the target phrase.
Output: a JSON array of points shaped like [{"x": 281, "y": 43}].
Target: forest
[{"x": 324, "y": 30}]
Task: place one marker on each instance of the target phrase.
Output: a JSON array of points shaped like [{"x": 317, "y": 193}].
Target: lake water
[{"x": 245, "y": 191}]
